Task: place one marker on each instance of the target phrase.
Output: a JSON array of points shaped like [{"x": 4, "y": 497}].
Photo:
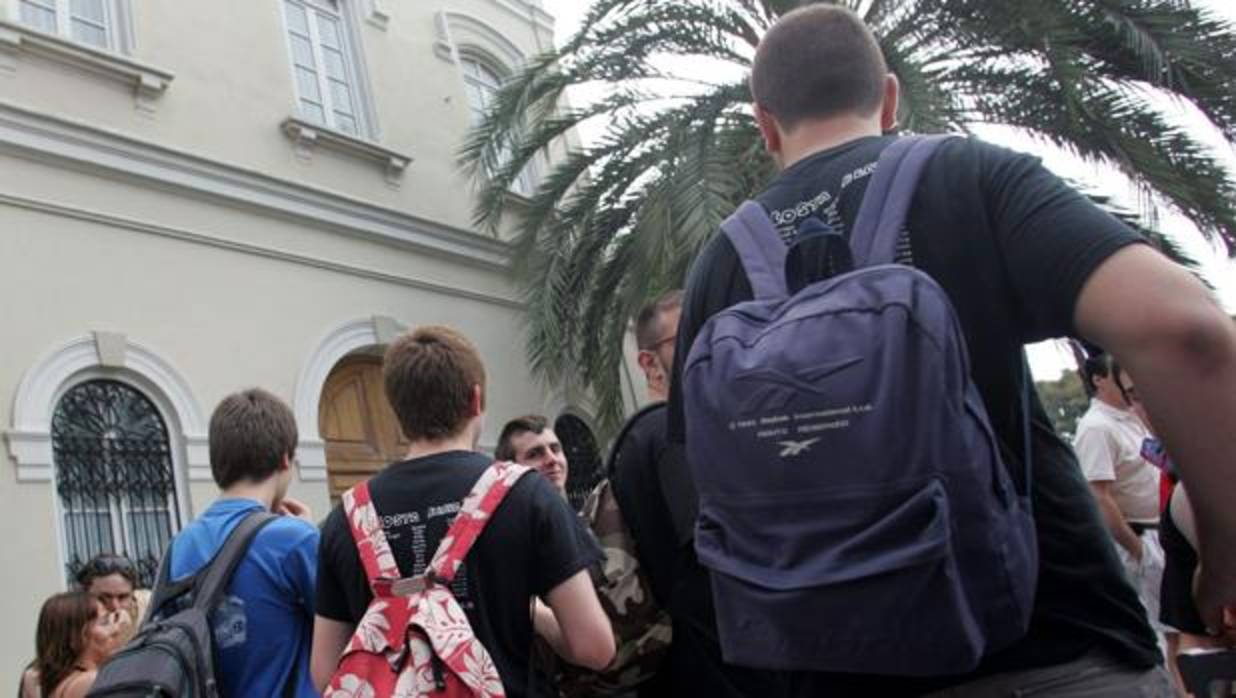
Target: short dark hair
[
  {"x": 646, "y": 323},
  {"x": 105, "y": 565},
  {"x": 1095, "y": 366},
  {"x": 816, "y": 62},
  {"x": 429, "y": 374},
  {"x": 250, "y": 433},
  {"x": 533, "y": 423}
]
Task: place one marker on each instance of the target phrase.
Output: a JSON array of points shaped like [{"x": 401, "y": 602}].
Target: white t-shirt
[{"x": 1109, "y": 448}]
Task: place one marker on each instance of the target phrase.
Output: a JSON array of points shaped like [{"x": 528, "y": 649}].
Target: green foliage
[
  {"x": 1065, "y": 401},
  {"x": 620, "y": 218}
]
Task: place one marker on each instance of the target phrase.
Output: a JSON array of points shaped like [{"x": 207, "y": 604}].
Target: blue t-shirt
[{"x": 263, "y": 627}]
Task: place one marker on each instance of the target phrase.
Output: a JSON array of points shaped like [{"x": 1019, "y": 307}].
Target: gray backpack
[
  {"x": 172, "y": 656},
  {"x": 856, "y": 514}
]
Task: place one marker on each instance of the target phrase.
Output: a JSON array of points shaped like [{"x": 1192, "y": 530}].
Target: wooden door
[{"x": 361, "y": 432}]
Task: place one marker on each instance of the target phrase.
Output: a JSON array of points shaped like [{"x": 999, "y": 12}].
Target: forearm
[
  {"x": 547, "y": 627},
  {"x": 1189, "y": 389}
]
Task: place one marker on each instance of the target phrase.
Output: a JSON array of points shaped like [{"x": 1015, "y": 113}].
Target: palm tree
[{"x": 620, "y": 218}]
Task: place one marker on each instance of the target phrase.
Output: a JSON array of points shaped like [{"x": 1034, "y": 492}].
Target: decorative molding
[
  {"x": 29, "y": 438},
  {"x": 148, "y": 82},
  {"x": 210, "y": 240},
  {"x": 111, "y": 349},
  {"x": 305, "y": 135},
  {"x": 48, "y": 137},
  {"x": 376, "y": 14},
  {"x": 531, "y": 12},
  {"x": 341, "y": 341},
  {"x": 459, "y": 32}
]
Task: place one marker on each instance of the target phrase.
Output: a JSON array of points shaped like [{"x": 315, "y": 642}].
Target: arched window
[
  {"x": 482, "y": 84},
  {"x": 114, "y": 476},
  {"x": 583, "y": 456}
]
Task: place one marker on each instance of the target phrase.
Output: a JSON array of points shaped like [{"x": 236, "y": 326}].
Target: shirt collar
[{"x": 1110, "y": 411}]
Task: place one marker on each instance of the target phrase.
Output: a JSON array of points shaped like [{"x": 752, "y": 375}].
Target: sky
[{"x": 1049, "y": 359}]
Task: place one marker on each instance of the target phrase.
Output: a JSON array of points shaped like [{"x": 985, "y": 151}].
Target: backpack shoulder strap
[
  {"x": 371, "y": 544},
  {"x": 212, "y": 581},
  {"x": 165, "y": 589},
  {"x": 760, "y": 249},
  {"x": 886, "y": 203},
  {"x": 478, "y": 508}
]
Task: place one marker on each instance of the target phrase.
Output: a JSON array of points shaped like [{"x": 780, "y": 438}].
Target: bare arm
[
  {"x": 584, "y": 637},
  {"x": 546, "y": 626},
  {"x": 79, "y": 685},
  {"x": 330, "y": 637},
  {"x": 1119, "y": 528},
  {"x": 1167, "y": 331}
]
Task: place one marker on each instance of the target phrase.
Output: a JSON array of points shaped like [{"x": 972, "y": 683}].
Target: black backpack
[{"x": 173, "y": 656}]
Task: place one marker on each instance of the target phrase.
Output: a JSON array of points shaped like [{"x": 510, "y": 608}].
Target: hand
[
  {"x": 293, "y": 507},
  {"x": 1215, "y": 595},
  {"x": 115, "y": 629}
]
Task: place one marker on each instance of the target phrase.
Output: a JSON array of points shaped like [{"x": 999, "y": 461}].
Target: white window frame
[
  {"x": 525, "y": 184},
  {"x": 354, "y": 66},
  {"x": 118, "y": 23}
]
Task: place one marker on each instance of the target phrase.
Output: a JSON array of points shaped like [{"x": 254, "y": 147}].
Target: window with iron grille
[
  {"x": 583, "y": 458},
  {"x": 114, "y": 476}
]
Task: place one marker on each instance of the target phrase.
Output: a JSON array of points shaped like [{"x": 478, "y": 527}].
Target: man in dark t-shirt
[
  {"x": 635, "y": 464},
  {"x": 1023, "y": 258},
  {"x": 534, "y": 547}
]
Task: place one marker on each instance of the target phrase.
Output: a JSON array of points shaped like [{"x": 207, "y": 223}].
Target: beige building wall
[{"x": 159, "y": 226}]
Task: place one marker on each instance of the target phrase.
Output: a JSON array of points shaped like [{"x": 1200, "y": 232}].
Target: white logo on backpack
[{"x": 796, "y": 448}]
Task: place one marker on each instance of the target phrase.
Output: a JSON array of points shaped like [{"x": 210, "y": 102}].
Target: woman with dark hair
[{"x": 75, "y": 635}]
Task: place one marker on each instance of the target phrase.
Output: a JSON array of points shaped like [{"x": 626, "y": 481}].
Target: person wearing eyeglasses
[{"x": 638, "y": 452}]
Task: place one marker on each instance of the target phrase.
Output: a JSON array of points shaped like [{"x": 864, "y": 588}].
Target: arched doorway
[{"x": 361, "y": 432}]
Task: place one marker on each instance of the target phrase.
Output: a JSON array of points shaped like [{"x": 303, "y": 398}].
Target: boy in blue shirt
[{"x": 263, "y": 627}]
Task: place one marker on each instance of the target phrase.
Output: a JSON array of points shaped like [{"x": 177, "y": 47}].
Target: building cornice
[
  {"x": 43, "y": 137},
  {"x": 213, "y": 240},
  {"x": 527, "y": 11}
]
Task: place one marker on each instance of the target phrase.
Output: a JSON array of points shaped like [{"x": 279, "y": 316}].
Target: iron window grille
[{"x": 114, "y": 476}]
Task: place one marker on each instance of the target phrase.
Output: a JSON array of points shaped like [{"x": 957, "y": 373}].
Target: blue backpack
[{"x": 855, "y": 513}]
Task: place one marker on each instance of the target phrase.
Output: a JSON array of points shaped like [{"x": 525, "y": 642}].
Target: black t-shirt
[
  {"x": 1012, "y": 246},
  {"x": 533, "y": 543},
  {"x": 634, "y": 476}
]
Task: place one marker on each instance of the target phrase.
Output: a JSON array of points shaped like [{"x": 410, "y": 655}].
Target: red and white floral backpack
[{"x": 414, "y": 639}]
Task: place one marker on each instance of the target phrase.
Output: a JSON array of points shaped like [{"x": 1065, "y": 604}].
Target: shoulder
[
  {"x": 335, "y": 530},
  {"x": 648, "y": 422},
  {"x": 1093, "y": 421},
  {"x": 76, "y": 686},
  {"x": 971, "y": 151},
  {"x": 286, "y": 533},
  {"x": 646, "y": 428}
]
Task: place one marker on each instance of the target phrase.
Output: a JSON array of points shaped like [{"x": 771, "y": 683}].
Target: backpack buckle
[{"x": 408, "y": 586}]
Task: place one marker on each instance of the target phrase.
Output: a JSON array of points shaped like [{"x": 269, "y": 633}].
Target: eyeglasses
[{"x": 657, "y": 344}]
